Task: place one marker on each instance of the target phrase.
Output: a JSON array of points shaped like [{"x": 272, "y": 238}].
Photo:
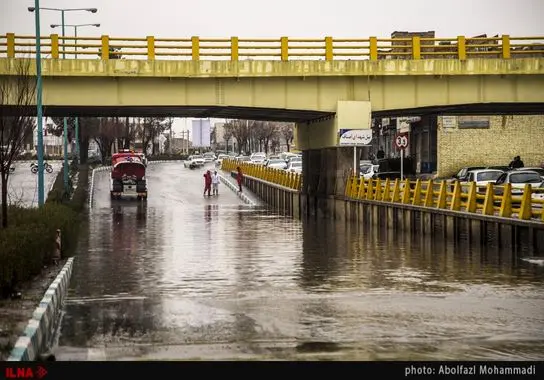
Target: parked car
[
  {"x": 294, "y": 166},
  {"x": 367, "y": 171},
  {"x": 540, "y": 171},
  {"x": 483, "y": 176},
  {"x": 518, "y": 179},
  {"x": 462, "y": 174}
]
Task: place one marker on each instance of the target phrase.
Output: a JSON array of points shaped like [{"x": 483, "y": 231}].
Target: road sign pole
[
  {"x": 355, "y": 161},
  {"x": 402, "y": 164}
]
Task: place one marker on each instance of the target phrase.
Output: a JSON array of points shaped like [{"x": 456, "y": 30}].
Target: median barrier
[{"x": 39, "y": 334}]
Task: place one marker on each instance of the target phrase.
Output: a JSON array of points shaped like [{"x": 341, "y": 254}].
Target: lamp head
[
  {"x": 97, "y": 25},
  {"x": 93, "y": 10},
  {"x": 31, "y": 9},
  {"x": 54, "y": 25}
]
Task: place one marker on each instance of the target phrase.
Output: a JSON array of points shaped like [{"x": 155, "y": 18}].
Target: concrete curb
[
  {"x": 233, "y": 187},
  {"x": 40, "y": 330}
]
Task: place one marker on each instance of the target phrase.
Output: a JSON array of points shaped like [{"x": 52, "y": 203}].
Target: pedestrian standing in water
[
  {"x": 215, "y": 183},
  {"x": 239, "y": 178},
  {"x": 208, "y": 183}
]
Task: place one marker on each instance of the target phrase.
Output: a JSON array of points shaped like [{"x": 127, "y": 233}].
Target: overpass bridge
[{"x": 298, "y": 80}]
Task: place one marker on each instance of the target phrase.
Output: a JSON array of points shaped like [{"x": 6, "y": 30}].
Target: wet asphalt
[{"x": 186, "y": 277}]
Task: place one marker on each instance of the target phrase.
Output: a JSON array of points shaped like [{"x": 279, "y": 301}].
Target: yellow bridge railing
[
  {"x": 283, "y": 48},
  {"x": 277, "y": 176},
  {"x": 490, "y": 200}
]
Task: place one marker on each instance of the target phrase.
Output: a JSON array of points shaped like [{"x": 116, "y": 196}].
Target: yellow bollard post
[
  {"x": 525, "y": 210},
  {"x": 506, "y": 202},
  {"x": 471, "y": 201},
  {"x": 378, "y": 191},
  {"x": 429, "y": 194},
  {"x": 416, "y": 201},
  {"x": 406, "y": 192},
  {"x": 370, "y": 190},
  {"x": 386, "y": 196},
  {"x": 442, "y": 195},
  {"x": 489, "y": 200},
  {"x": 395, "y": 198},
  {"x": 456, "y": 197}
]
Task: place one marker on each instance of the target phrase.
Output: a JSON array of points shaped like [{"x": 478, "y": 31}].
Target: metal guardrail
[
  {"x": 489, "y": 200},
  {"x": 277, "y": 176},
  {"x": 283, "y": 48}
]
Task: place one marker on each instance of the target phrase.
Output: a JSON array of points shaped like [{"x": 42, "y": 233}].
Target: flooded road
[{"x": 188, "y": 277}]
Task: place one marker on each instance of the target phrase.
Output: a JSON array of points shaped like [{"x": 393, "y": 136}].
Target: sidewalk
[{"x": 247, "y": 195}]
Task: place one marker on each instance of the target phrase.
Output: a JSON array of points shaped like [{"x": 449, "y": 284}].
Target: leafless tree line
[{"x": 255, "y": 135}]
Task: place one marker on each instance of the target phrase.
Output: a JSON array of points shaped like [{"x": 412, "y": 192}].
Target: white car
[
  {"x": 518, "y": 179},
  {"x": 367, "y": 171},
  {"x": 208, "y": 156},
  {"x": 294, "y": 167},
  {"x": 483, "y": 176},
  {"x": 194, "y": 161},
  {"x": 258, "y": 158},
  {"x": 276, "y": 163},
  {"x": 220, "y": 159}
]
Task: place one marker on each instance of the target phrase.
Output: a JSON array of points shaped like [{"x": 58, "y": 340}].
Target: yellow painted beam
[
  {"x": 320, "y": 94},
  {"x": 243, "y": 68}
]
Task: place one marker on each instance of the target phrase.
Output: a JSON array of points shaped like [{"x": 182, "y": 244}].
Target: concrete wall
[
  {"x": 279, "y": 198},
  {"x": 506, "y": 137},
  {"x": 516, "y": 236}
]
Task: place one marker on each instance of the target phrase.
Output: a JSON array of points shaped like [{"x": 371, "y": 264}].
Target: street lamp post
[
  {"x": 75, "y": 50},
  {"x": 36, "y": 9},
  {"x": 75, "y": 31},
  {"x": 39, "y": 117}
]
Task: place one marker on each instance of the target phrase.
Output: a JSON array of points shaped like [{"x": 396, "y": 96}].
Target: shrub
[{"x": 29, "y": 241}]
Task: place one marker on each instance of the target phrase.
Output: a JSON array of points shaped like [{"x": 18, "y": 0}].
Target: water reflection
[{"x": 209, "y": 279}]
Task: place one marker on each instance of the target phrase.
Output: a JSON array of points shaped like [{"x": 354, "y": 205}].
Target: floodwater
[{"x": 190, "y": 277}]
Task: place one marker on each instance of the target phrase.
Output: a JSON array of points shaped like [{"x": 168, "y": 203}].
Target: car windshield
[
  {"x": 488, "y": 176},
  {"x": 245, "y": 158},
  {"x": 197, "y": 157},
  {"x": 365, "y": 169},
  {"x": 222, "y": 156},
  {"x": 258, "y": 157},
  {"x": 296, "y": 164},
  {"x": 276, "y": 161}
]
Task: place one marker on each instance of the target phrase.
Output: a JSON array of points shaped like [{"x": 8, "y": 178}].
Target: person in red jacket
[
  {"x": 208, "y": 183},
  {"x": 239, "y": 178}
]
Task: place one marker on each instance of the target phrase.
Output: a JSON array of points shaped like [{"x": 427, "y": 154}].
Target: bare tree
[
  {"x": 151, "y": 128},
  {"x": 240, "y": 131},
  {"x": 288, "y": 134},
  {"x": 18, "y": 90},
  {"x": 227, "y": 134}
]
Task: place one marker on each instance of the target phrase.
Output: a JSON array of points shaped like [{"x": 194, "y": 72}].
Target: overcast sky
[{"x": 293, "y": 18}]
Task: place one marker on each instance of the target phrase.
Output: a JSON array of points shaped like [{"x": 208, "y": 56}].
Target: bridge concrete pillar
[{"x": 326, "y": 166}]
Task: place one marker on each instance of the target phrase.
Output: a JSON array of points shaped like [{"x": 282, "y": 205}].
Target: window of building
[{"x": 473, "y": 122}]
